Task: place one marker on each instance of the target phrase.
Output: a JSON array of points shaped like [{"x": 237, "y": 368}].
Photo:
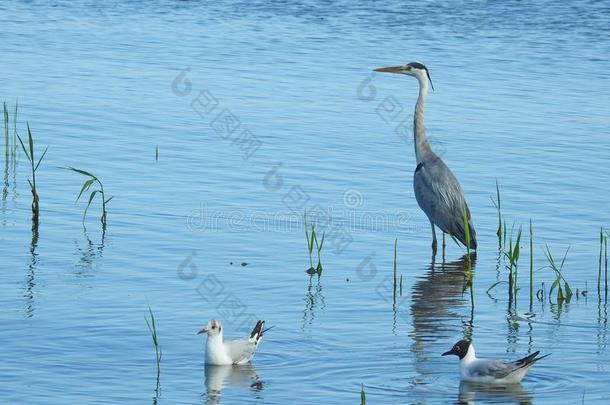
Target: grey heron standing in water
[{"x": 437, "y": 191}]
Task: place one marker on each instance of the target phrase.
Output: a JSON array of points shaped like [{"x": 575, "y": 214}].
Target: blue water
[{"x": 260, "y": 111}]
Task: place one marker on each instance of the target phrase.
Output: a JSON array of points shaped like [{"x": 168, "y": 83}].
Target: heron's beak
[
  {"x": 204, "y": 330},
  {"x": 391, "y": 69},
  {"x": 448, "y": 353}
]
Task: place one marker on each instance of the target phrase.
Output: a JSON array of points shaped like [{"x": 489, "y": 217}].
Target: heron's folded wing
[{"x": 440, "y": 196}]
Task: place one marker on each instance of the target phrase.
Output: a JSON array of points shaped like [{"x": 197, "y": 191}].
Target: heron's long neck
[{"x": 419, "y": 131}]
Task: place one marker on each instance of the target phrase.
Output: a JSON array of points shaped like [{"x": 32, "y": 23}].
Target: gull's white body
[
  {"x": 219, "y": 351},
  {"x": 486, "y": 371}
]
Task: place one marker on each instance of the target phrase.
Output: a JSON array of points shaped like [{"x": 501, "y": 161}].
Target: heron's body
[{"x": 437, "y": 191}]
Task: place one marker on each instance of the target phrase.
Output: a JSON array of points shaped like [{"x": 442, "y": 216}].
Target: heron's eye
[{"x": 214, "y": 327}]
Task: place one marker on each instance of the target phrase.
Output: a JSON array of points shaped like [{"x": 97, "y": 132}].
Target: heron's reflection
[
  {"x": 510, "y": 394},
  {"x": 219, "y": 377},
  {"x": 436, "y": 299}
]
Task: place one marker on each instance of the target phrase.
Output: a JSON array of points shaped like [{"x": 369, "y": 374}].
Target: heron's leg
[
  {"x": 444, "y": 247},
  {"x": 433, "y": 238}
]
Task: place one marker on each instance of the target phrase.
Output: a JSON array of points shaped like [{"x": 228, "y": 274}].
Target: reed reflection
[{"x": 314, "y": 298}]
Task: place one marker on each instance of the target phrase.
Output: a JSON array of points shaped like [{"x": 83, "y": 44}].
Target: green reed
[
  {"x": 564, "y": 292},
  {"x": 152, "y": 328},
  {"x": 34, "y": 164},
  {"x": 531, "y": 265},
  {"x": 498, "y": 206},
  {"x": 601, "y": 254},
  {"x": 513, "y": 255},
  {"x": 468, "y": 273},
  {"x": 92, "y": 180},
  {"x": 312, "y": 239},
  {"x": 395, "y": 278},
  {"x": 362, "y": 395},
  {"x": 10, "y": 143},
  {"x": 14, "y": 148},
  {"x": 6, "y": 138},
  {"x": 606, "y": 263}
]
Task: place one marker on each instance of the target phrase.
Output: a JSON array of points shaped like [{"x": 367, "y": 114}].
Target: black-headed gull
[
  {"x": 490, "y": 371},
  {"x": 235, "y": 351}
]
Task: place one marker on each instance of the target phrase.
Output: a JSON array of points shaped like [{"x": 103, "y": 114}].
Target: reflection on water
[
  {"x": 470, "y": 393},
  {"x": 30, "y": 281},
  {"x": 299, "y": 90},
  {"x": 313, "y": 299},
  {"x": 89, "y": 254},
  {"x": 234, "y": 376},
  {"x": 436, "y": 299},
  {"x": 602, "y": 324}
]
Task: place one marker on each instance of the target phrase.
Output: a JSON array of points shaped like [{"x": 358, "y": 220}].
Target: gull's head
[
  {"x": 459, "y": 349},
  {"x": 415, "y": 69},
  {"x": 212, "y": 328}
]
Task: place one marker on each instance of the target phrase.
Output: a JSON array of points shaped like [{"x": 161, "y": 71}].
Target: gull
[
  {"x": 490, "y": 371},
  {"x": 234, "y": 351}
]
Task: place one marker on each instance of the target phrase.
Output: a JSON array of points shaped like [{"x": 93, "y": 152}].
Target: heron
[{"x": 437, "y": 190}]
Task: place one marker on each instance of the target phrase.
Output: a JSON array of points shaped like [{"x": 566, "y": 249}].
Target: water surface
[{"x": 521, "y": 95}]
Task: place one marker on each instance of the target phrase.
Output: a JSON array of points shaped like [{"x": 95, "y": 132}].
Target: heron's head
[
  {"x": 212, "y": 328},
  {"x": 459, "y": 349},
  {"x": 416, "y": 69}
]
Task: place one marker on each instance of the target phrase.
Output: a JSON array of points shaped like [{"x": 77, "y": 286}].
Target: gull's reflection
[
  {"x": 219, "y": 377},
  {"x": 510, "y": 394},
  {"x": 436, "y": 301}
]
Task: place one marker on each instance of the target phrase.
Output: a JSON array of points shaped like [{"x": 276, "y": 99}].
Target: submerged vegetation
[
  {"x": 603, "y": 262},
  {"x": 512, "y": 255},
  {"x": 34, "y": 164},
  {"x": 312, "y": 239},
  {"x": 531, "y": 266},
  {"x": 152, "y": 328},
  {"x": 468, "y": 273},
  {"x": 362, "y": 395},
  {"x": 564, "y": 292},
  {"x": 92, "y": 180},
  {"x": 10, "y": 141},
  {"x": 560, "y": 289}
]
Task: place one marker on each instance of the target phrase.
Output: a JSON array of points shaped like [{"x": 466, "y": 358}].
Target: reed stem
[{"x": 531, "y": 266}]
